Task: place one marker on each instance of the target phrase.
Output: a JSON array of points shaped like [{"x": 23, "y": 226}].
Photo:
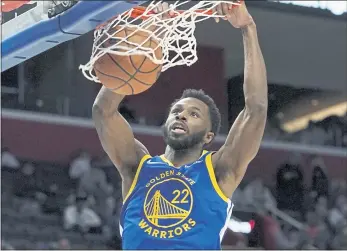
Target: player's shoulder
[
  {"x": 155, "y": 160},
  {"x": 204, "y": 155}
]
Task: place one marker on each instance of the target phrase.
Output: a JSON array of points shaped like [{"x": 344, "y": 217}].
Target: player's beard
[{"x": 182, "y": 142}]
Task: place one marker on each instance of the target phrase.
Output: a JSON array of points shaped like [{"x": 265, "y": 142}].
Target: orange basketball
[{"x": 128, "y": 75}]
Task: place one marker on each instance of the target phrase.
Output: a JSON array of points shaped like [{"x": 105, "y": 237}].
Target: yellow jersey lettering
[
  {"x": 191, "y": 222},
  {"x": 162, "y": 235},
  {"x": 160, "y": 177},
  {"x": 155, "y": 233},
  {"x": 149, "y": 230},
  {"x": 143, "y": 224},
  {"x": 169, "y": 173},
  {"x": 186, "y": 227},
  {"x": 170, "y": 233},
  {"x": 187, "y": 179},
  {"x": 178, "y": 231}
]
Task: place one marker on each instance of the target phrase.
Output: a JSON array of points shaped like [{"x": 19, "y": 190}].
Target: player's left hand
[{"x": 237, "y": 15}]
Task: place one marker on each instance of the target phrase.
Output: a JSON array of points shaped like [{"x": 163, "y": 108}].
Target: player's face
[{"x": 188, "y": 125}]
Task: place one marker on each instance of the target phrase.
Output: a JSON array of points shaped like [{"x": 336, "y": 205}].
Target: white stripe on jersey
[
  {"x": 229, "y": 211},
  {"x": 120, "y": 230}
]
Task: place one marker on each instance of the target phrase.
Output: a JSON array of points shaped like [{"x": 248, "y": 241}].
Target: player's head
[{"x": 193, "y": 120}]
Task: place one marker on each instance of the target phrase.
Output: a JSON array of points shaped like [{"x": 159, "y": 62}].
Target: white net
[{"x": 174, "y": 35}]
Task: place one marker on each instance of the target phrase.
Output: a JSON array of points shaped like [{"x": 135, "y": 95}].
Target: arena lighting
[
  {"x": 300, "y": 123},
  {"x": 241, "y": 227},
  {"x": 336, "y": 7}
]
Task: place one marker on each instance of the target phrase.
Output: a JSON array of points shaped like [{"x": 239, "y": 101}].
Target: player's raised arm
[
  {"x": 119, "y": 73},
  {"x": 244, "y": 138},
  {"x": 115, "y": 134}
]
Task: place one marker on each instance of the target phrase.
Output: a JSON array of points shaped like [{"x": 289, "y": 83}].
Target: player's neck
[{"x": 182, "y": 157}]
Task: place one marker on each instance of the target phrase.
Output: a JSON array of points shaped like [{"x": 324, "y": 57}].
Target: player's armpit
[
  {"x": 240, "y": 148},
  {"x": 116, "y": 135}
]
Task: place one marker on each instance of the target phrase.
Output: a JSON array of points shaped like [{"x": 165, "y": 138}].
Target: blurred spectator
[
  {"x": 80, "y": 216},
  {"x": 340, "y": 240},
  {"x": 321, "y": 208},
  {"x": 80, "y": 165},
  {"x": 71, "y": 197},
  {"x": 289, "y": 188},
  {"x": 338, "y": 214},
  {"x": 274, "y": 237},
  {"x": 8, "y": 159},
  {"x": 317, "y": 230},
  {"x": 93, "y": 183},
  {"x": 25, "y": 181},
  {"x": 256, "y": 194},
  {"x": 9, "y": 166},
  {"x": 320, "y": 182},
  {"x": 51, "y": 202}
]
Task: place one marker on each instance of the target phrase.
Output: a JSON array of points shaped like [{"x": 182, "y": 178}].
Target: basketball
[{"x": 128, "y": 75}]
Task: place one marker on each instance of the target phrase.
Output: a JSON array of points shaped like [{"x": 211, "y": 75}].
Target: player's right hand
[{"x": 165, "y": 9}]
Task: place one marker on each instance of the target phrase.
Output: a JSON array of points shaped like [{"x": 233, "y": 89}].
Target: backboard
[{"x": 40, "y": 25}]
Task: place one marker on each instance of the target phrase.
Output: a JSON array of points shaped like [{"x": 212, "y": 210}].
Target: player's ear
[{"x": 209, "y": 137}]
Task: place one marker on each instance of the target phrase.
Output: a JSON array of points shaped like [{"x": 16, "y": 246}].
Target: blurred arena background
[{"x": 294, "y": 195}]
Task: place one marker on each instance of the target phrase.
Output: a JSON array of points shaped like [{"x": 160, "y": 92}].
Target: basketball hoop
[
  {"x": 7, "y": 6},
  {"x": 175, "y": 35}
]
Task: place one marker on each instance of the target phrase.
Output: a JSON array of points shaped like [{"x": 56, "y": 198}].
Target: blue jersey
[{"x": 174, "y": 208}]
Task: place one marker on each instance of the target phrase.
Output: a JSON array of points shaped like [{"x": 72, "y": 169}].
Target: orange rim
[
  {"x": 7, "y": 6},
  {"x": 139, "y": 10}
]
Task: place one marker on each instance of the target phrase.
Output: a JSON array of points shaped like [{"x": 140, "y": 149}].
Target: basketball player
[{"x": 181, "y": 199}]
